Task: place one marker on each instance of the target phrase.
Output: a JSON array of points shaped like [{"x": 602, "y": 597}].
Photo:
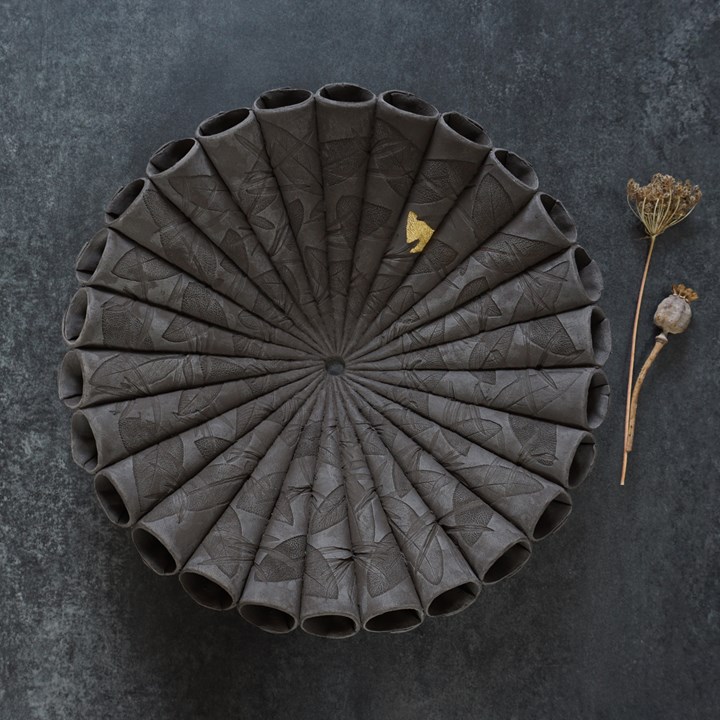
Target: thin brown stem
[
  {"x": 633, "y": 344},
  {"x": 660, "y": 343}
]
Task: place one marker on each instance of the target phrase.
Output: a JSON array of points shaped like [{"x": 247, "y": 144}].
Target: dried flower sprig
[
  {"x": 672, "y": 316},
  {"x": 659, "y": 205}
]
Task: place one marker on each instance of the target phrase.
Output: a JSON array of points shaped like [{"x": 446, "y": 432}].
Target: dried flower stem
[
  {"x": 633, "y": 344},
  {"x": 660, "y": 343},
  {"x": 659, "y": 205}
]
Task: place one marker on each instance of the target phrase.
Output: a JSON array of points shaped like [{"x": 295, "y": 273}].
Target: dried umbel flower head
[
  {"x": 663, "y": 202},
  {"x": 659, "y": 205},
  {"x": 673, "y": 314}
]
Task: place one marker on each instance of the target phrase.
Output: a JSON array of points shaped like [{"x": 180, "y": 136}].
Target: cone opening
[
  {"x": 268, "y": 618},
  {"x": 465, "y": 127},
  {"x": 600, "y": 330},
  {"x": 559, "y": 216},
  {"x": 598, "y": 399},
  {"x": 508, "y": 563},
  {"x": 555, "y": 514},
  {"x": 394, "y": 621},
  {"x": 345, "y": 93},
  {"x": 582, "y": 461},
  {"x": 70, "y": 379},
  {"x": 520, "y": 169},
  {"x": 170, "y": 154},
  {"x": 282, "y": 98},
  {"x": 589, "y": 273},
  {"x": 205, "y": 592},
  {"x": 89, "y": 257},
  {"x": 111, "y": 501},
  {"x": 75, "y": 316},
  {"x": 83, "y": 443},
  {"x": 155, "y": 555},
  {"x": 409, "y": 103},
  {"x": 454, "y": 600},
  {"x": 124, "y": 198},
  {"x": 223, "y": 121},
  {"x": 330, "y": 626}
]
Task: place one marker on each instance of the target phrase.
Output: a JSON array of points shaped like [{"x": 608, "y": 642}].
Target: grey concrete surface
[{"x": 616, "y": 616}]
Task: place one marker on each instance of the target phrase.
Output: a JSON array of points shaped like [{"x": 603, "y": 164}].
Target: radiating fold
[
  {"x": 91, "y": 377},
  {"x": 535, "y": 505},
  {"x": 235, "y": 144},
  {"x": 571, "y": 396},
  {"x": 97, "y": 319},
  {"x": 184, "y": 174},
  {"x": 492, "y": 545},
  {"x": 329, "y": 593},
  {"x": 403, "y": 127},
  {"x": 564, "y": 282},
  {"x": 168, "y": 535},
  {"x": 103, "y": 434},
  {"x": 345, "y": 115},
  {"x": 453, "y": 156},
  {"x": 114, "y": 263},
  {"x": 142, "y": 214},
  {"x": 437, "y": 286},
  {"x": 570, "y": 339},
  {"x": 272, "y": 595},
  {"x": 444, "y": 581},
  {"x": 289, "y": 129},
  {"x": 387, "y": 597},
  {"x": 557, "y": 452},
  {"x": 215, "y": 574},
  {"x": 130, "y": 487}
]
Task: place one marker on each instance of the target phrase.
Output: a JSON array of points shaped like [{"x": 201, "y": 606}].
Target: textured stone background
[{"x": 617, "y": 615}]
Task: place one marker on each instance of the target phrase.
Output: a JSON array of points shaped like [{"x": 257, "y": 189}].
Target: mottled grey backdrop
[{"x": 616, "y": 616}]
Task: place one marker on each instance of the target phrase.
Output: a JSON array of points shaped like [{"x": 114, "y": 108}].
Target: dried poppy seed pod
[{"x": 673, "y": 314}]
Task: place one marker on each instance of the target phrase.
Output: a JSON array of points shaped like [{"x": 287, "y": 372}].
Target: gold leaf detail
[{"x": 417, "y": 229}]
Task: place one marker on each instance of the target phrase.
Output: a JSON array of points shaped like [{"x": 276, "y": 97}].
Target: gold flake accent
[{"x": 417, "y": 229}]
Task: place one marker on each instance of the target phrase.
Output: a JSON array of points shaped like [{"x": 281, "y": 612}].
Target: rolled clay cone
[
  {"x": 129, "y": 488},
  {"x": 564, "y": 282},
  {"x": 168, "y": 535},
  {"x": 329, "y": 593},
  {"x": 288, "y": 124},
  {"x": 571, "y": 396},
  {"x": 444, "y": 581},
  {"x": 345, "y": 116},
  {"x": 453, "y": 157},
  {"x": 535, "y": 505},
  {"x": 234, "y": 143},
  {"x": 91, "y": 377},
  {"x": 114, "y": 263},
  {"x": 99, "y": 319},
  {"x": 403, "y": 127},
  {"x": 183, "y": 173},
  {"x": 272, "y": 594},
  {"x": 557, "y": 452},
  {"x": 570, "y": 339},
  {"x": 104, "y": 434},
  {"x": 492, "y": 545},
  {"x": 142, "y": 214},
  {"x": 215, "y": 574},
  {"x": 540, "y": 230},
  {"x": 387, "y": 597}
]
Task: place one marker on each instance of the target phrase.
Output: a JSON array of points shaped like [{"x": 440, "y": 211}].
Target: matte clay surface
[
  {"x": 616, "y": 621},
  {"x": 419, "y": 483}
]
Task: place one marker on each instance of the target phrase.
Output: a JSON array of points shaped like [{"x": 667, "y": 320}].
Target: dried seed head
[
  {"x": 685, "y": 292},
  {"x": 663, "y": 202},
  {"x": 673, "y": 314}
]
